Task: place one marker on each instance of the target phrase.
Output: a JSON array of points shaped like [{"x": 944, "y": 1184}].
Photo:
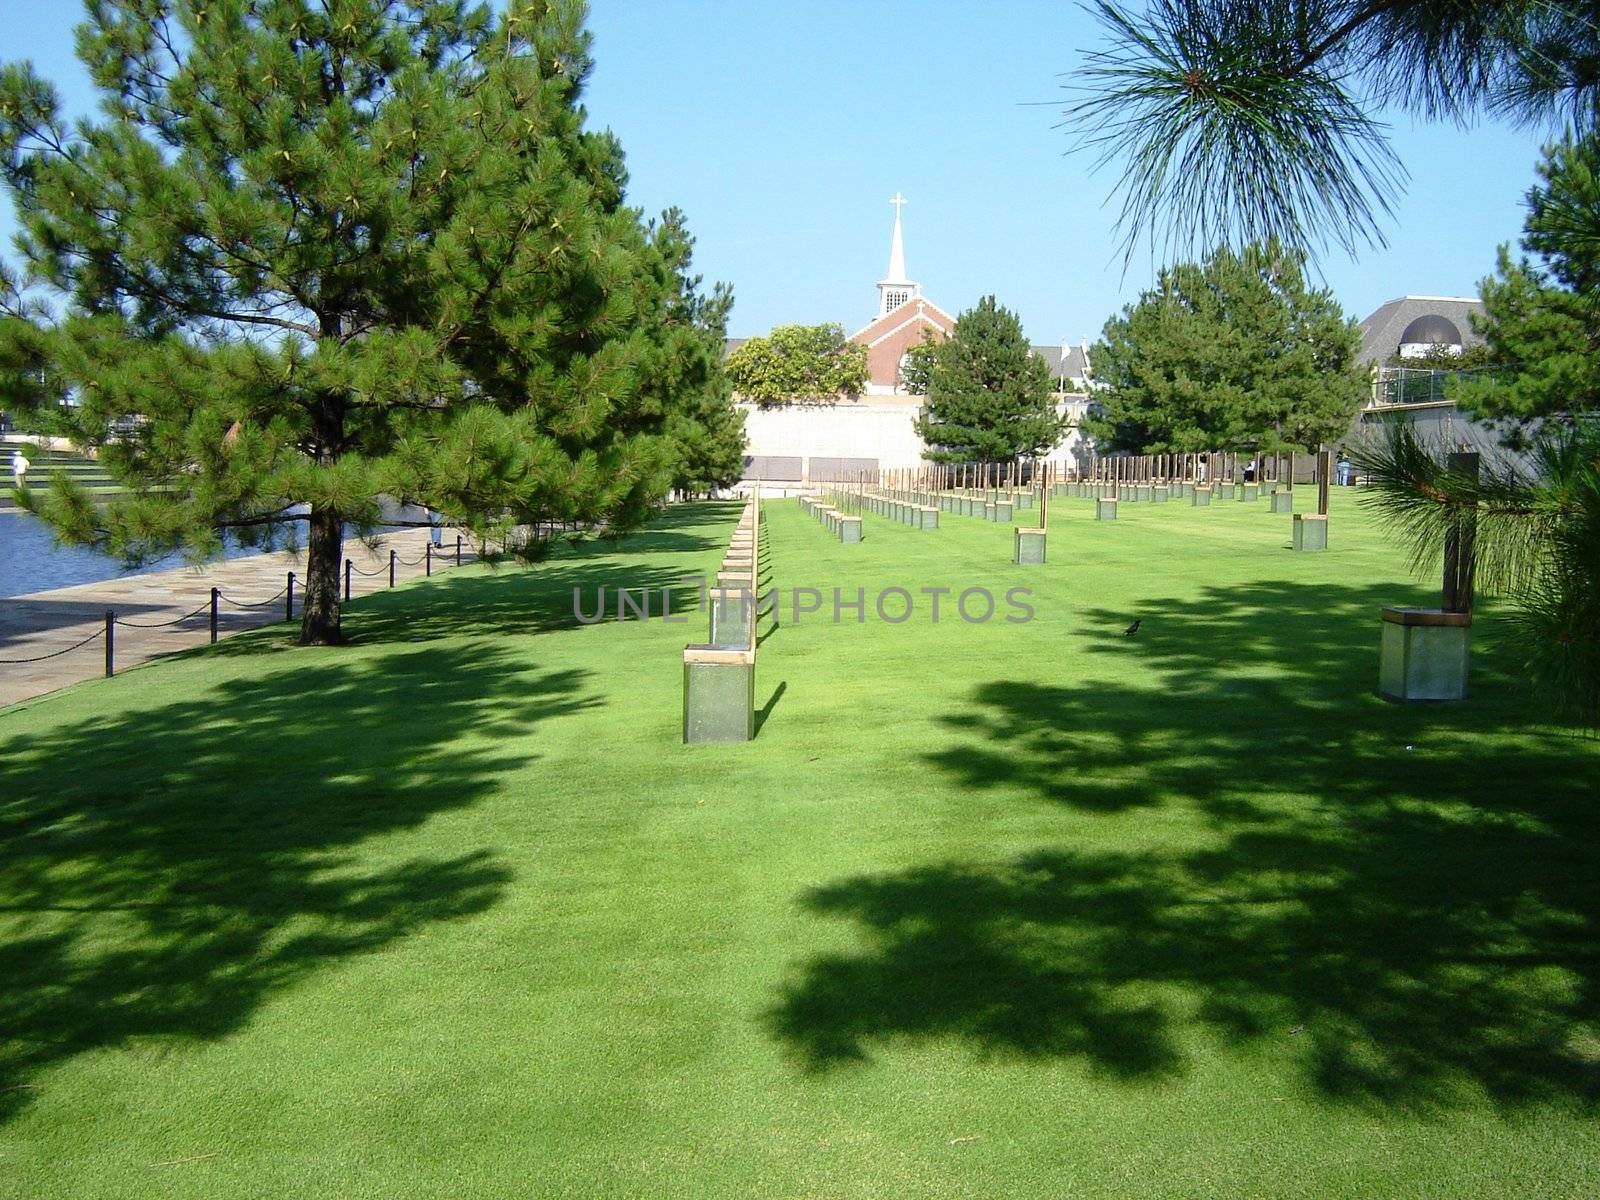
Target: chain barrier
[
  {"x": 256, "y": 604},
  {"x": 442, "y": 556},
  {"x": 163, "y": 624},
  {"x": 17, "y": 662}
]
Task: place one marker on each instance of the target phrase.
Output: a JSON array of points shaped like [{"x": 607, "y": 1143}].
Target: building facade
[{"x": 1431, "y": 330}]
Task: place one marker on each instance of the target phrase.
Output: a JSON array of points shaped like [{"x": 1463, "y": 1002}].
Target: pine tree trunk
[{"x": 319, "y": 620}]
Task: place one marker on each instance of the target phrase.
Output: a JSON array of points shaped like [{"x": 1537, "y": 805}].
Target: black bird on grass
[{"x": 1132, "y": 629}]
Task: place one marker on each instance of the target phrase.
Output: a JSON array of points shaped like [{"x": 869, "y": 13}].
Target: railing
[
  {"x": 1421, "y": 385},
  {"x": 213, "y": 606}
]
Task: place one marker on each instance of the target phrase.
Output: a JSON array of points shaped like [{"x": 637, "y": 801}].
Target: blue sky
[{"x": 783, "y": 129}]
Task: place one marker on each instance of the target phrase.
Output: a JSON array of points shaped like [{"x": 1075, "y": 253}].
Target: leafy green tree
[
  {"x": 917, "y": 366},
  {"x": 1543, "y": 314},
  {"x": 315, "y": 254},
  {"x": 989, "y": 399},
  {"x": 1233, "y": 353},
  {"x": 798, "y": 364},
  {"x": 1234, "y": 121},
  {"x": 1444, "y": 358}
]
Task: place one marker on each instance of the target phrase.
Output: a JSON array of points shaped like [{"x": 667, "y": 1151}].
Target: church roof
[
  {"x": 918, "y": 308},
  {"x": 1387, "y": 328}
]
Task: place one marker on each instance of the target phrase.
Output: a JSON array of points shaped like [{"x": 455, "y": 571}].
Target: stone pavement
[{"x": 43, "y": 623}]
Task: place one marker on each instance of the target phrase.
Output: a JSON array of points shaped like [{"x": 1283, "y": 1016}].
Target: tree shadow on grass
[
  {"x": 1320, "y": 638},
  {"x": 168, "y": 869},
  {"x": 1281, "y": 667},
  {"x": 1397, "y": 906},
  {"x": 952, "y": 958}
]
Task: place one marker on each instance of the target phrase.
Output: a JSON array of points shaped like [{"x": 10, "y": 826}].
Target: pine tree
[
  {"x": 989, "y": 398},
  {"x": 1234, "y": 353},
  {"x": 1542, "y": 312},
  {"x": 705, "y": 426},
  {"x": 1534, "y": 520},
  {"x": 315, "y": 254}
]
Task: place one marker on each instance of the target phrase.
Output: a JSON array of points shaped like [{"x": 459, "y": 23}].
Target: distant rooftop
[{"x": 1437, "y": 317}]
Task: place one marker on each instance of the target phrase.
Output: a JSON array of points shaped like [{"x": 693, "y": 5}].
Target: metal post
[
  {"x": 1324, "y": 461},
  {"x": 288, "y": 599},
  {"x": 428, "y": 554},
  {"x": 216, "y": 595},
  {"x": 458, "y": 549},
  {"x": 111, "y": 634},
  {"x": 391, "y": 568},
  {"x": 347, "y": 565}
]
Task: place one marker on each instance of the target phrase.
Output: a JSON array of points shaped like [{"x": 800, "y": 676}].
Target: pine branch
[
  {"x": 1337, "y": 37},
  {"x": 1232, "y": 121}
]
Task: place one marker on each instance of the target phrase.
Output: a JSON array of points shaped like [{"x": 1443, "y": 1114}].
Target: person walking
[
  {"x": 19, "y": 468},
  {"x": 1343, "y": 470}
]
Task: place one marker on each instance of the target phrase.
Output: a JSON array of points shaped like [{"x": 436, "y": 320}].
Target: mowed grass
[{"x": 987, "y": 909}]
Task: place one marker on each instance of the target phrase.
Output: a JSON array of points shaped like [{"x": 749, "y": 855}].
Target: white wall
[
  {"x": 869, "y": 428},
  {"x": 860, "y": 430},
  {"x": 1073, "y": 447}
]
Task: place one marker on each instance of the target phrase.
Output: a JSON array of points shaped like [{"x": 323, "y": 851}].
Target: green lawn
[{"x": 988, "y": 910}]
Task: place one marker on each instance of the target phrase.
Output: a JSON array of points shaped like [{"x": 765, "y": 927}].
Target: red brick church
[
  {"x": 904, "y": 316},
  {"x": 798, "y": 445}
]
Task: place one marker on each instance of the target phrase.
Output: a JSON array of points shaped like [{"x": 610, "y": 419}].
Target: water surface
[{"x": 32, "y": 561}]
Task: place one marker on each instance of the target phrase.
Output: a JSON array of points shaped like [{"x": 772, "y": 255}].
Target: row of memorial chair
[
  {"x": 1199, "y": 494},
  {"x": 844, "y": 526},
  {"x": 993, "y": 504},
  {"x": 905, "y": 508},
  {"x": 719, "y": 676},
  {"x": 1309, "y": 530}
]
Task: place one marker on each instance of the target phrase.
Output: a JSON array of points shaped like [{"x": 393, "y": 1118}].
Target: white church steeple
[{"x": 895, "y": 289}]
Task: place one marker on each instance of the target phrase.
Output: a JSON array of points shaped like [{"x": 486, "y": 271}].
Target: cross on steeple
[{"x": 899, "y": 202}]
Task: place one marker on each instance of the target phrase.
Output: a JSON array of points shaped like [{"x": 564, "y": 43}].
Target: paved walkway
[{"x": 52, "y": 622}]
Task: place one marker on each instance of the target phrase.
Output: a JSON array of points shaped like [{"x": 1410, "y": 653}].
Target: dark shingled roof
[
  {"x": 1392, "y": 323},
  {"x": 1069, "y": 364},
  {"x": 1075, "y": 366}
]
